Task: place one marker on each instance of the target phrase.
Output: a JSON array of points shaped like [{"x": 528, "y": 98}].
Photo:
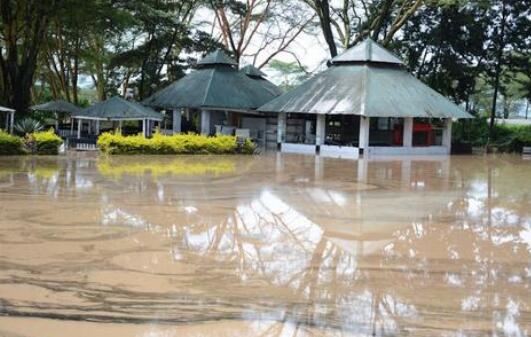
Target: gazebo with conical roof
[
  {"x": 365, "y": 102},
  {"x": 56, "y": 107},
  {"x": 217, "y": 90},
  {"x": 116, "y": 109}
]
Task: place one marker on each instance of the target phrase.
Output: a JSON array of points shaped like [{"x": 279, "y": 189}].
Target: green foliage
[
  {"x": 506, "y": 138},
  {"x": 43, "y": 143},
  {"x": 177, "y": 144},
  {"x": 27, "y": 125},
  {"x": 10, "y": 145}
]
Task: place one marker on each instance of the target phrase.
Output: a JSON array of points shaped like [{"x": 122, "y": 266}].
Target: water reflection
[{"x": 382, "y": 247}]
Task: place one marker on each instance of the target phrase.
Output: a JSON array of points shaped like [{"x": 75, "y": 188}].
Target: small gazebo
[
  {"x": 9, "y": 117},
  {"x": 218, "y": 92},
  {"x": 58, "y": 106},
  {"x": 116, "y": 109}
]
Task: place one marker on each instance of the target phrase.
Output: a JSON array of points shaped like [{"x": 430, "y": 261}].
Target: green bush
[
  {"x": 10, "y": 145},
  {"x": 177, "y": 144},
  {"x": 507, "y": 138},
  {"x": 43, "y": 143}
]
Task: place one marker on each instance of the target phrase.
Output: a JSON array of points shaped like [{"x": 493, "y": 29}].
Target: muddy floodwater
[{"x": 272, "y": 245}]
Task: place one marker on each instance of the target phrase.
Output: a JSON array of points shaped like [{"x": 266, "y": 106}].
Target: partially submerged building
[
  {"x": 218, "y": 95},
  {"x": 365, "y": 102}
]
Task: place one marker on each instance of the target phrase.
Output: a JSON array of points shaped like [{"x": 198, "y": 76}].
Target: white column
[
  {"x": 177, "y": 117},
  {"x": 8, "y": 117},
  {"x": 447, "y": 134},
  {"x": 144, "y": 129},
  {"x": 205, "y": 122},
  {"x": 97, "y": 127},
  {"x": 56, "y": 122},
  {"x": 79, "y": 121},
  {"x": 281, "y": 128},
  {"x": 407, "y": 137},
  {"x": 120, "y": 124},
  {"x": 364, "y": 134},
  {"x": 320, "y": 130},
  {"x": 12, "y": 121}
]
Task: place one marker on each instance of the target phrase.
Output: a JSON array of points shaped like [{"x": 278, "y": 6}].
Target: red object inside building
[{"x": 418, "y": 128}]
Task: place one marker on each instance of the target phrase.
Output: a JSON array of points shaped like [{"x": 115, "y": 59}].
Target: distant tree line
[{"x": 474, "y": 51}]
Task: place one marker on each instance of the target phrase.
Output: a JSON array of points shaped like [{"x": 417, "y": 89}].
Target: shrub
[
  {"x": 507, "y": 138},
  {"x": 10, "y": 145},
  {"x": 177, "y": 144},
  {"x": 27, "y": 125},
  {"x": 43, "y": 143}
]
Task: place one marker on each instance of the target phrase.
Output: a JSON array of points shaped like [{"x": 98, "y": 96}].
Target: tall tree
[
  {"x": 23, "y": 27},
  {"x": 353, "y": 20},
  {"x": 259, "y": 28}
]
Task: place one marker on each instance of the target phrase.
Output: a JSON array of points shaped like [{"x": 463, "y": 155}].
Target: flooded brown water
[{"x": 274, "y": 245}]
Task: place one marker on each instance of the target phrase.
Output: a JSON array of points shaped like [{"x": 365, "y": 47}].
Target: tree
[
  {"x": 508, "y": 45},
  {"x": 23, "y": 27},
  {"x": 353, "y": 20},
  {"x": 259, "y": 27}
]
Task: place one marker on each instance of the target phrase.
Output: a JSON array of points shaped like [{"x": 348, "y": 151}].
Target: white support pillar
[
  {"x": 8, "y": 117},
  {"x": 144, "y": 128},
  {"x": 79, "y": 124},
  {"x": 447, "y": 135},
  {"x": 205, "y": 122},
  {"x": 97, "y": 127},
  {"x": 11, "y": 121},
  {"x": 56, "y": 122},
  {"x": 364, "y": 134},
  {"x": 177, "y": 118},
  {"x": 320, "y": 130},
  {"x": 281, "y": 128},
  {"x": 407, "y": 137},
  {"x": 120, "y": 124}
]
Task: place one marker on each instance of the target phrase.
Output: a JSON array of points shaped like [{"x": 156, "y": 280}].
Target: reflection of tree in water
[{"x": 459, "y": 258}]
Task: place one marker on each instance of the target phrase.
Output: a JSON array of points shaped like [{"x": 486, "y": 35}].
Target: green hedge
[
  {"x": 41, "y": 143},
  {"x": 10, "y": 145},
  {"x": 177, "y": 144}
]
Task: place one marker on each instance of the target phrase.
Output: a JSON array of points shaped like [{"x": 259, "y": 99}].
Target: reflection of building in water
[{"x": 383, "y": 247}]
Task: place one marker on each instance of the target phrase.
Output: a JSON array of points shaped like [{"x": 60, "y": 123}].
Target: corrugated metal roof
[
  {"x": 365, "y": 90},
  {"x": 117, "y": 108},
  {"x": 372, "y": 88},
  {"x": 217, "y": 57},
  {"x": 367, "y": 51},
  {"x": 216, "y": 87},
  {"x": 252, "y": 71},
  {"x": 59, "y": 105},
  {"x": 259, "y": 77}
]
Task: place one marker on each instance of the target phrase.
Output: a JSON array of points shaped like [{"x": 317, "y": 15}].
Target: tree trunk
[
  {"x": 323, "y": 11},
  {"x": 497, "y": 71}
]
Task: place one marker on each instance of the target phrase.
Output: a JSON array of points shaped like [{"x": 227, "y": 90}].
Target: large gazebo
[
  {"x": 9, "y": 118},
  {"x": 365, "y": 102},
  {"x": 218, "y": 92},
  {"x": 116, "y": 109}
]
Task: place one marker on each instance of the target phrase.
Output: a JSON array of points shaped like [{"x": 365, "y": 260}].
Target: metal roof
[
  {"x": 5, "y": 109},
  {"x": 117, "y": 108},
  {"x": 252, "y": 71},
  {"x": 367, "y": 89},
  {"x": 215, "y": 87},
  {"x": 259, "y": 77},
  {"x": 217, "y": 57},
  {"x": 59, "y": 106},
  {"x": 367, "y": 51}
]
